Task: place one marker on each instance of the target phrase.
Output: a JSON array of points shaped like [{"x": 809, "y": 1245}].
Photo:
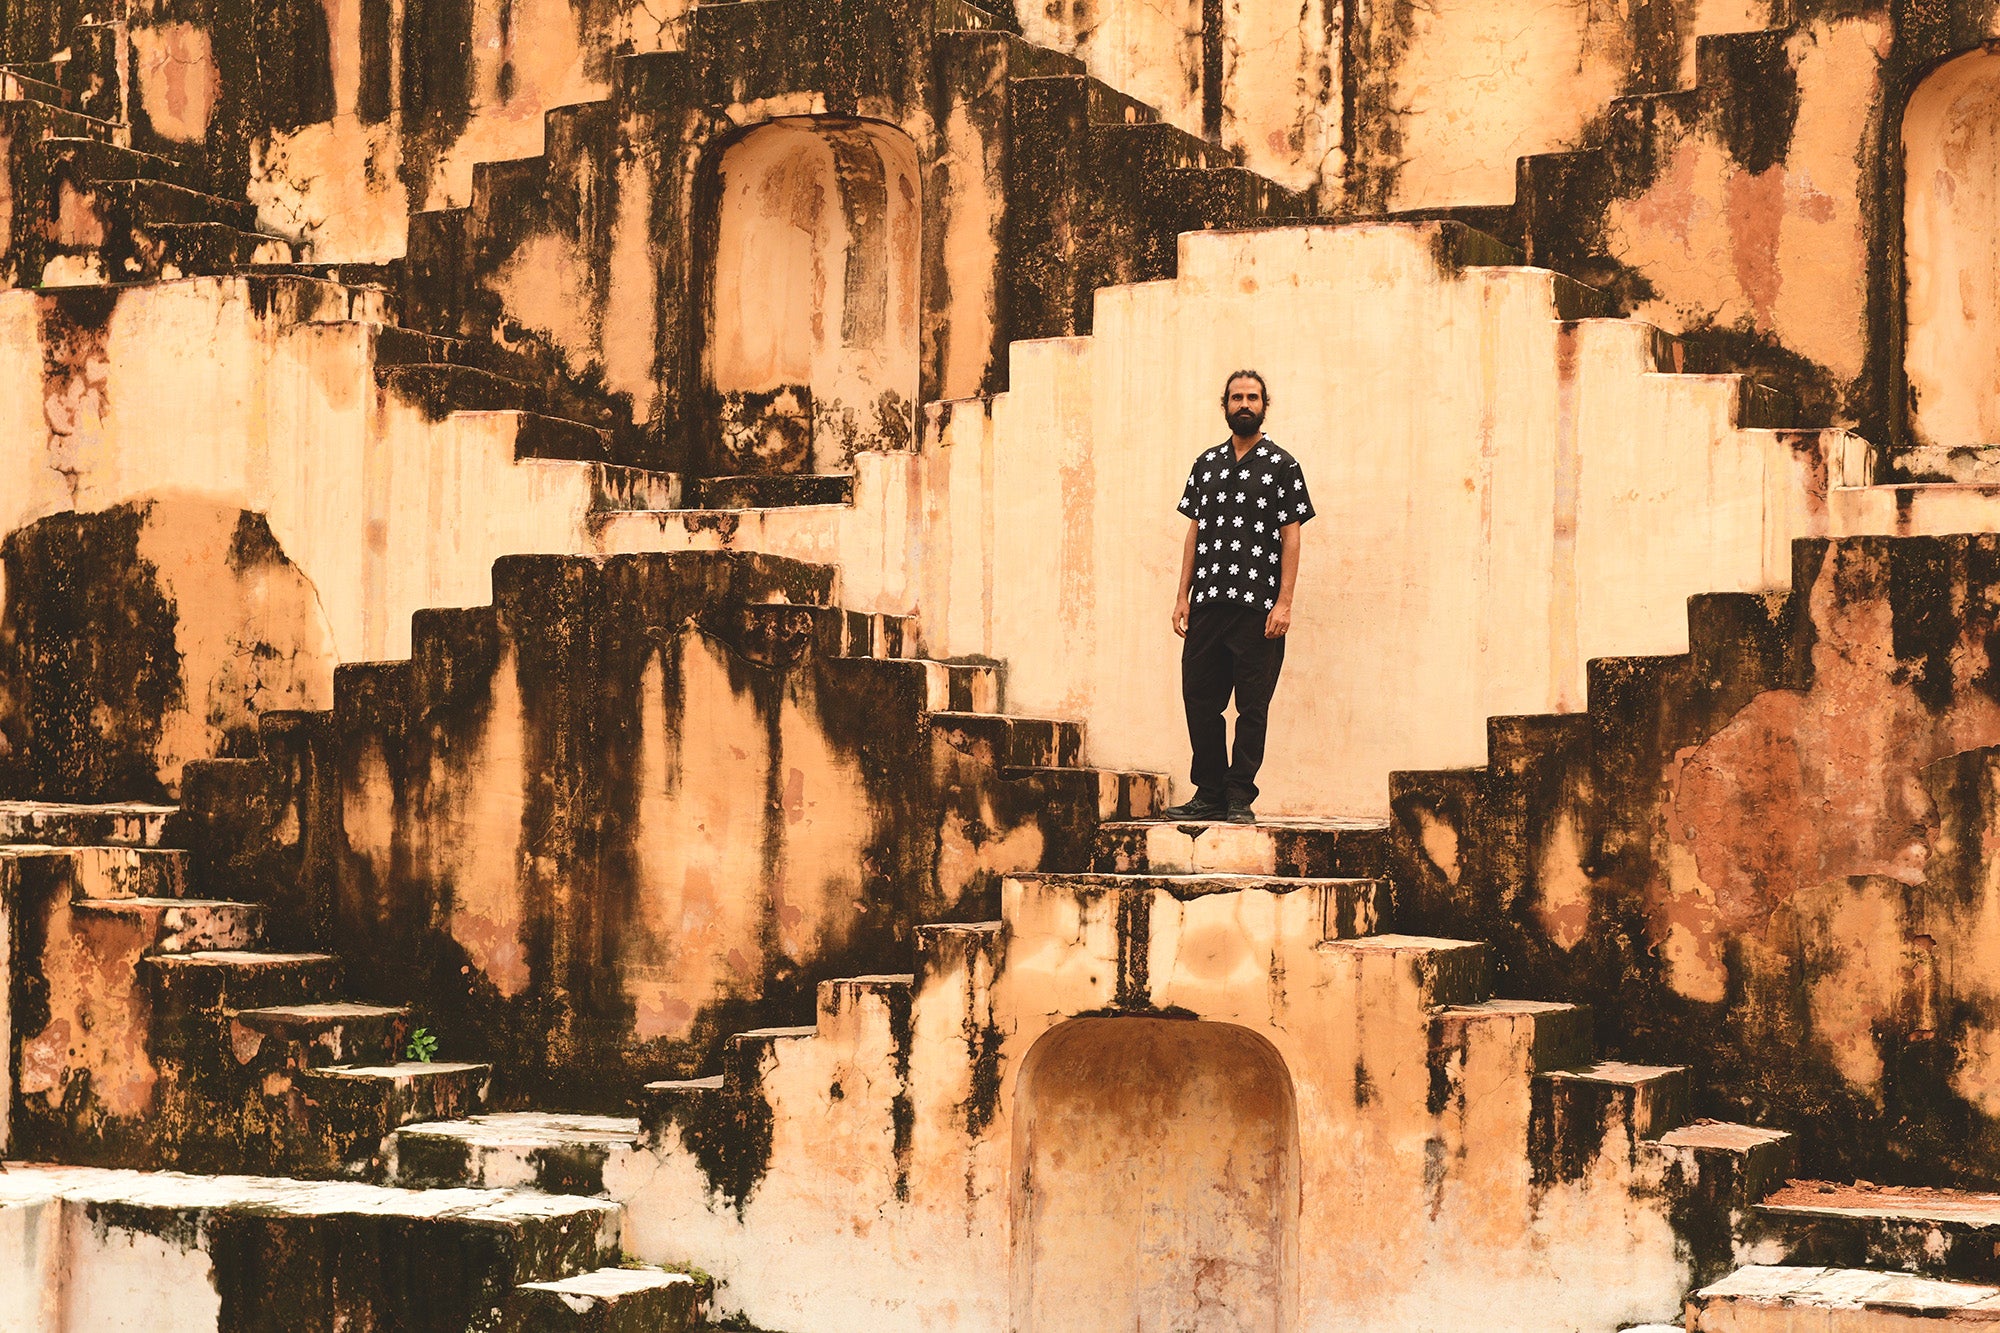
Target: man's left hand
[{"x": 1278, "y": 622}]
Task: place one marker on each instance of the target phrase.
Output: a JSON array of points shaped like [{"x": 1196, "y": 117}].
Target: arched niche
[
  {"x": 1156, "y": 1177},
  {"x": 1951, "y": 237},
  {"x": 812, "y": 346}
]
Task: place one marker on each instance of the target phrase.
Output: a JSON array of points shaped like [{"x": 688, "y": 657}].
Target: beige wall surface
[{"x": 1526, "y": 494}]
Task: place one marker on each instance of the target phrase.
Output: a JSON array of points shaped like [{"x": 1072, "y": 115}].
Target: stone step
[
  {"x": 97, "y": 160},
  {"x": 1348, "y": 908},
  {"x": 204, "y": 249},
  {"x": 1006, "y": 741},
  {"x": 1774, "y": 1299},
  {"x": 681, "y": 1101},
  {"x": 1937, "y": 1232},
  {"x": 59, "y": 824},
  {"x": 305, "y": 1036},
  {"x": 1119, "y": 794},
  {"x": 1136, "y": 152},
  {"x": 841, "y": 994},
  {"x": 1962, "y": 465},
  {"x": 363, "y": 1104},
  {"x": 1445, "y": 972},
  {"x": 237, "y": 979},
  {"x": 1732, "y": 1165},
  {"x": 233, "y": 1252},
  {"x": 109, "y": 872},
  {"x": 18, "y": 87},
  {"x": 610, "y": 1300},
  {"x": 554, "y": 1152},
  {"x": 1104, "y": 105},
  {"x": 961, "y": 687},
  {"x": 877, "y": 634},
  {"x": 1578, "y": 1113},
  {"x": 616, "y": 489},
  {"x": 441, "y": 389},
  {"x": 27, "y": 120},
  {"x": 1324, "y": 847},
  {"x": 779, "y": 491},
  {"x": 1561, "y": 1033},
  {"x": 178, "y": 925},
  {"x": 151, "y": 202}
]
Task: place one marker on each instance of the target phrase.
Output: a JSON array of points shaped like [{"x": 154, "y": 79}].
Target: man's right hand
[{"x": 1181, "y": 617}]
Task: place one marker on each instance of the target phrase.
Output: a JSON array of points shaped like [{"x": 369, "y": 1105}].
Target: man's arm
[
  {"x": 1187, "y": 582},
  {"x": 1280, "y": 620}
]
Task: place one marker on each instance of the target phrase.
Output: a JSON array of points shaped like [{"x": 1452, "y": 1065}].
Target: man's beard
[{"x": 1245, "y": 422}]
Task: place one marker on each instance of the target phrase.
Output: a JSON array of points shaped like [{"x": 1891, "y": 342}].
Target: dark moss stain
[
  {"x": 1759, "y": 102},
  {"x": 902, "y": 1106},
  {"x": 1922, "y": 620},
  {"x": 436, "y": 92},
  {"x": 89, "y": 670},
  {"x": 1135, "y": 937}
]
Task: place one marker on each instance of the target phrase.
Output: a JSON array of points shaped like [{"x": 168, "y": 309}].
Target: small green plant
[{"x": 423, "y": 1045}]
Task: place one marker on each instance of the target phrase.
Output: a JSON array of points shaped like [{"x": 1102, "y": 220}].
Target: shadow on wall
[
  {"x": 142, "y": 636},
  {"x": 812, "y": 328},
  {"x": 1158, "y": 1170}
]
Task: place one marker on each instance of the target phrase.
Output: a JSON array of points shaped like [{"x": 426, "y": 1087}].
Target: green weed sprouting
[{"x": 423, "y": 1045}]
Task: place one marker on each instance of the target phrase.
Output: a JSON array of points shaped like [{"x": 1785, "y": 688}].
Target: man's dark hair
[{"x": 1236, "y": 375}]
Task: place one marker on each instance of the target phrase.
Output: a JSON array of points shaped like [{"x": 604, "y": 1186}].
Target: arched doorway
[
  {"x": 1951, "y": 238},
  {"x": 812, "y": 347},
  {"x": 1156, "y": 1180}
]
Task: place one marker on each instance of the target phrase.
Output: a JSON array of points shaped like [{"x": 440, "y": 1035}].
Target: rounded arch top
[
  {"x": 812, "y": 347},
  {"x": 1951, "y": 235},
  {"x": 1157, "y": 1178}
]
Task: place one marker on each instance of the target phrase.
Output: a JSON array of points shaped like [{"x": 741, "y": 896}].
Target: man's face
[{"x": 1244, "y": 406}]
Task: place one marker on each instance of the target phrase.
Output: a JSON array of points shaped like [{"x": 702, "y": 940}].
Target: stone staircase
[
  {"x": 1100, "y": 188},
  {"x": 911, "y": 1087},
  {"x": 1557, "y": 217},
  {"x": 160, "y": 1026},
  {"x": 92, "y": 1247},
  {"x": 979, "y": 789},
  {"x": 1865, "y": 1257},
  {"x": 89, "y": 209}
]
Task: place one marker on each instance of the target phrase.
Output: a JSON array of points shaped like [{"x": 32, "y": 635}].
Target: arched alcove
[
  {"x": 1951, "y": 238},
  {"x": 1156, "y": 1177},
  {"x": 812, "y": 348}
]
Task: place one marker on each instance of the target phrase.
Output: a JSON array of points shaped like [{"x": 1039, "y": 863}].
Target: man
[{"x": 1245, "y": 502}]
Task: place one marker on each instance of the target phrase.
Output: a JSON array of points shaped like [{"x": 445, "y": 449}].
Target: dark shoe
[
  {"x": 1196, "y": 811},
  {"x": 1242, "y": 814}
]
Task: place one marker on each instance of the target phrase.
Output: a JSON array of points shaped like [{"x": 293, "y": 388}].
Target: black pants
[{"x": 1226, "y": 652}]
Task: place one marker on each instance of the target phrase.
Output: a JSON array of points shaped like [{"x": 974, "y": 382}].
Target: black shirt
[{"x": 1237, "y": 508}]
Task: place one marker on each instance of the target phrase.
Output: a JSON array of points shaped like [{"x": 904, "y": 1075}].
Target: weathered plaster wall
[
  {"x": 1529, "y": 494},
  {"x": 137, "y": 638},
  {"x": 189, "y": 402},
  {"x": 1152, "y": 51},
  {"x": 1766, "y": 858},
  {"x": 388, "y": 108}
]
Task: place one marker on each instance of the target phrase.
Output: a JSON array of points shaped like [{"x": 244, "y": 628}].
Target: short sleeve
[
  {"x": 1296, "y": 505},
  {"x": 1187, "y": 505}
]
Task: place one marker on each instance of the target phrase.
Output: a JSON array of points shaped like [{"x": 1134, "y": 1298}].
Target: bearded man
[{"x": 1245, "y": 502}]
